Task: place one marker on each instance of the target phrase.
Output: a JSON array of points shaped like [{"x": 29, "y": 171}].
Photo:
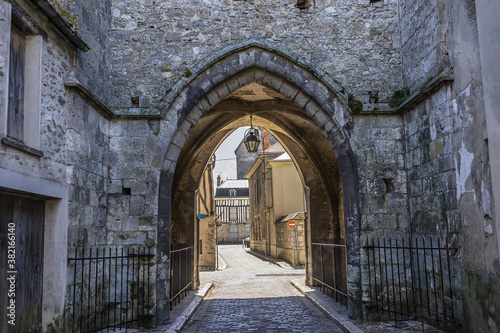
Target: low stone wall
[
  {"x": 284, "y": 240},
  {"x": 224, "y": 233},
  {"x": 207, "y": 243}
]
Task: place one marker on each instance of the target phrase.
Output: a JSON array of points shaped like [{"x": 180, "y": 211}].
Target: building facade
[
  {"x": 233, "y": 211},
  {"x": 275, "y": 193},
  {"x": 111, "y": 110},
  {"x": 206, "y": 215}
]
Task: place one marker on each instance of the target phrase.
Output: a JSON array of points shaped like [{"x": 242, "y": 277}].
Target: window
[
  {"x": 232, "y": 192},
  {"x": 256, "y": 191},
  {"x": 233, "y": 214},
  {"x": 15, "y": 114},
  {"x": 24, "y": 90},
  {"x": 233, "y": 232}
]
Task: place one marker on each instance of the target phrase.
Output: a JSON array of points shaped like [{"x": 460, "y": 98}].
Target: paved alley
[{"x": 252, "y": 295}]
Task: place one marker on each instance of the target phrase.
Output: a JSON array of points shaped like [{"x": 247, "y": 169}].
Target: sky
[{"x": 225, "y": 160}]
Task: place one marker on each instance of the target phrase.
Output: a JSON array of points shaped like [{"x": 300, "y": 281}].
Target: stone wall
[
  {"x": 430, "y": 164},
  {"x": 432, "y": 189},
  {"x": 424, "y": 40},
  {"x": 91, "y": 20},
  {"x": 285, "y": 249},
  {"x": 69, "y": 167},
  {"x": 207, "y": 250},
  {"x": 133, "y": 181},
  {"x": 56, "y": 62},
  {"x": 224, "y": 233},
  {"x": 479, "y": 249},
  {"x": 377, "y": 142},
  {"x": 155, "y": 44},
  {"x": 88, "y": 161}
]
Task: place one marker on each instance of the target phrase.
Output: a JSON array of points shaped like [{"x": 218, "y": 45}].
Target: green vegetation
[
  {"x": 355, "y": 105},
  {"x": 187, "y": 72},
  {"x": 399, "y": 97},
  {"x": 425, "y": 84}
]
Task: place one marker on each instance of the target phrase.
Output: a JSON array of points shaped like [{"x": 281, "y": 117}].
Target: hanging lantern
[{"x": 252, "y": 140}]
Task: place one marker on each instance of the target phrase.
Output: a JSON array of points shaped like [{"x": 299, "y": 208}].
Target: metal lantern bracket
[{"x": 252, "y": 140}]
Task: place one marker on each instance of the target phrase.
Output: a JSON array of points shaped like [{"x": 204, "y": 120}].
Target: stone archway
[{"x": 306, "y": 112}]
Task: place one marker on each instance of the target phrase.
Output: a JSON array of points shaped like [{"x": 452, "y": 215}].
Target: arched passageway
[{"x": 300, "y": 108}]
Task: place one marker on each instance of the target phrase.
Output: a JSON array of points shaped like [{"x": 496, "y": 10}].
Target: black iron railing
[
  {"x": 330, "y": 269},
  {"x": 412, "y": 280},
  {"x": 180, "y": 272},
  {"x": 111, "y": 288}
]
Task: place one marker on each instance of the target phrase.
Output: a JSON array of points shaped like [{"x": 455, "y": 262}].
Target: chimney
[
  {"x": 218, "y": 180},
  {"x": 265, "y": 139}
]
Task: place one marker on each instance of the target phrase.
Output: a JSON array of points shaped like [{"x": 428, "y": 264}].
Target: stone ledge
[
  {"x": 178, "y": 324},
  {"x": 73, "y": 83},
  {"x": 437, "y": 82},
  {"x": 18, "y": 144},
  {"x": 138, "y": 113},
  {"x": 434, "y": 84},
  {"x": 342, "y": 321},
  {"x": 62, "y": 24}
]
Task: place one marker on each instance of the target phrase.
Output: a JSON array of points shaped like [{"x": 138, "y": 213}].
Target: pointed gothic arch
[{"x": 200, "y": 116}]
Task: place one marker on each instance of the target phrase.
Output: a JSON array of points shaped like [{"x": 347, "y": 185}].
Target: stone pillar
[{"x": 489, "y": 50}]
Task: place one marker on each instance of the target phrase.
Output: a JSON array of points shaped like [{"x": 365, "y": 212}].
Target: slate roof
[{"x": 238, "y": 185}]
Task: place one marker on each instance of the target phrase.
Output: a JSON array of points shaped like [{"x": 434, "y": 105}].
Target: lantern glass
[{"x": 252, "y": 140}]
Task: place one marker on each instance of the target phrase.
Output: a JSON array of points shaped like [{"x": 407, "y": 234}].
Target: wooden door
[{"x": 21, "y": 219}]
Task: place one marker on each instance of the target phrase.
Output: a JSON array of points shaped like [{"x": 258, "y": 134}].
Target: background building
[
  {"x": 206, "y": 215},
  {"x": 233, "y": 211},
  {"x": 276, "y": 193}
]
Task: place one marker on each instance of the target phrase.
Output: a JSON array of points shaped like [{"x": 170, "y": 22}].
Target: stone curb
[
  {"x": 275, "y": 261},
  {"x": 222, "y": 264},
  {"x": 342, "y": 322},
  {"x": 181, "y": 321}
]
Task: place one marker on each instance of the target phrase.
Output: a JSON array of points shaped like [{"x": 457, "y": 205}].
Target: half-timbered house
[{"x": 232, "y": 209}]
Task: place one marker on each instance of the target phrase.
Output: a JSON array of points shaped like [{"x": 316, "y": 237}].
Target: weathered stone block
[
  {"x": 301, "y": 99},
  {"x": 127, "y": 238},
  {"x": 118, "y": 205},
  {"x": 289, "y": 90},
  {"x": 137, "y": 204},
  {"x": 397, "y": 205},
  {"x": 130, "y": 223},
  {"x": 115, "y": 187}
]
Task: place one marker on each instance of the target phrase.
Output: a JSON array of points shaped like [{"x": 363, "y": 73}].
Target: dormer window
[{"x": 232, "y": 192}]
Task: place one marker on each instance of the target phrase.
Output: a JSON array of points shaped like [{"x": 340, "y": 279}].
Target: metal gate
[
  {"x": 180, "y": 272},
  {"x": 412, "y": 279},
  {"x": 330, "y": 269},
  {"x": 111, "y": 288}
]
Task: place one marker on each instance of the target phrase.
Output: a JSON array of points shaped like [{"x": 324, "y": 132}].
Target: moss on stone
[
  {"x": 150, "y": 243},
  {"x": 425, "y": 84},
  {"x": 59, "y": 325},
  {"x": 399, "y": 97},
  {"x": 70, "y": 18},
  {"x": 187, "y": 72},
  {"x": 355, "y": 105}
]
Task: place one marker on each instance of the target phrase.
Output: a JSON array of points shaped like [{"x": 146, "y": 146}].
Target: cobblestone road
[{"x": 252, "y": 295}]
